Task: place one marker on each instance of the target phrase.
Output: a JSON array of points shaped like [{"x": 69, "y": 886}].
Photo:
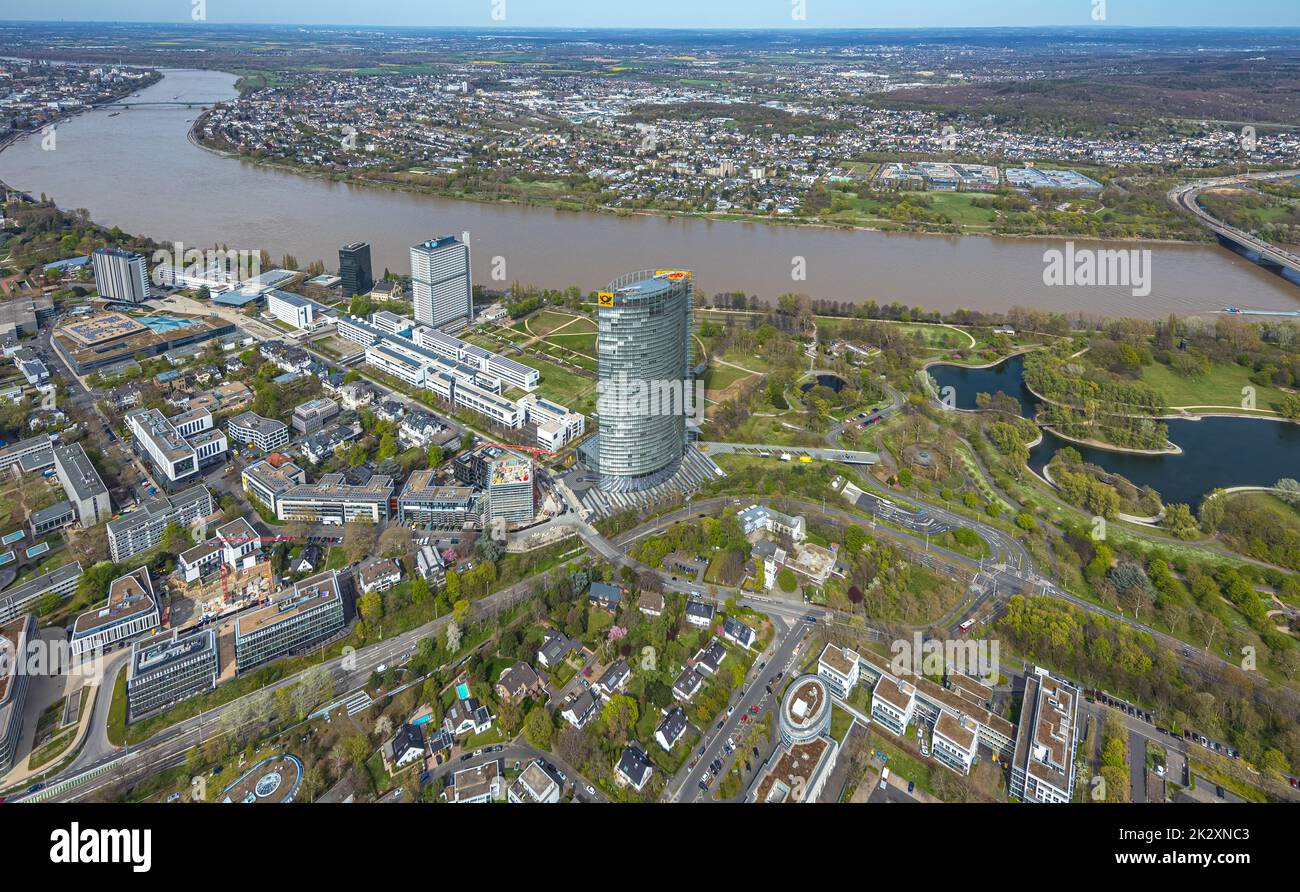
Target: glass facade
[{"x": 644, "y": 349}]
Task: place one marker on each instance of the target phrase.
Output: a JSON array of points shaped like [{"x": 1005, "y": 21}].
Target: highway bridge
[
  {"x": 1186, "y": 195},
  {"x": 165, "y": 103}
]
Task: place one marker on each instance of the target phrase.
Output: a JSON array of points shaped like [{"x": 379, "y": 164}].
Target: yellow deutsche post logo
[{"x": 605, "y": 298}]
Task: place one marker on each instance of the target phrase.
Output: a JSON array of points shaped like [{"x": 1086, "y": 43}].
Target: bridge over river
[{"x": 1186, "y": 195}]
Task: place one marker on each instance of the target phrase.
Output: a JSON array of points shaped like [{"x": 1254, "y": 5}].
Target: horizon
[{"x": 721, "y": 15}]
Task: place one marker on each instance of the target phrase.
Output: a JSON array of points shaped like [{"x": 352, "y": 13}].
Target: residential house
[
  {"x": 406, "y": 747},
  {"x": 467, "y": 716},
  {"x": 519, "y": 681},
  {"x": 651, "y": 603},
  {"x": 672, "y": 728},
  {"x": 555, "y": 647},
  {"x": 633, "y": 768},
  {"x": 580, "y": 710},
  {"x": 379, "y": 575},
  {"x": 688, "y": 684},
  {"x": 738, "y": 633},
  {"x": 614, "y": 678},
  {"x": 699, "y": 614},
  {"x": 602, "y": 594}
]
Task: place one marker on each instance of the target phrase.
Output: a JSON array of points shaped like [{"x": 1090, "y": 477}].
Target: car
[
  {"x": 478, "y": 752},
  {"x": 701, "y": 752},
  {"x": 911, "y": 785},
  {"x": 704, "y": 786},
  {"x": 730, "y": 710},
  {"x": 755, "y": 752},
  {"x": 516, "y": 764},
  {"x": 591, "y": 791},
  {"x": 498, "y": 748},
  {"x": 1294, "y": 783},
  {"x": 36, "y": 788},
  {"x": 755, "y": 708},
  {"x": 1219, "y": 791},
  {"x": 720, "y": 724},
  {"x": 466, "y": 757},
  {"x": 174, "y": 796}
]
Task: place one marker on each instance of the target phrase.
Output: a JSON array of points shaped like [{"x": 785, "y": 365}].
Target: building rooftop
[
  {"x": 806, "y": 703},
  {"x": 305, "y": 594},
  {"x": 152, "y": 654},
  {"x": 128, "y": 596},
  {"x": 13, "y": 642},
  {"x": 786, "y": 778}
]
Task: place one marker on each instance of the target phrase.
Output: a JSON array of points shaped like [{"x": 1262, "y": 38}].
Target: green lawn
[
  {"x": 564, "y": 385},
  {"x": 720, "y": 377},
  {"x": 1221, "y": 387}
]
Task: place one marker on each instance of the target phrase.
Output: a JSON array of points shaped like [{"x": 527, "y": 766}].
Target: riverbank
[{"x": 353, "y": 179}]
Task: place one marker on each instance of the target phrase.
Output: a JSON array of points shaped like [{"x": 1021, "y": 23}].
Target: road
[
  {"x": 1185, "y": 196},
  {"x": 780, "y": 657}
]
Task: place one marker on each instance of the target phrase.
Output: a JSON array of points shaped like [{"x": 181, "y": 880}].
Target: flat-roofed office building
[
  {"x": 142, "y": 529},
  {"x": 297, "y": 618},
  {"x": 82, "y": 484},
  {"x": 1042, "y": 768},
  {"x": 251, "y": 429},
  {"x": 313, "y": 415},
  {"x": 177, "y": 447},
  {"x": 423, "y": 501},
  {"x": 440, "y": 281},
  {"x": 165, "y": 671},
  {"x": 132, "y": 609},
  {"x": 59, "y": 582}
]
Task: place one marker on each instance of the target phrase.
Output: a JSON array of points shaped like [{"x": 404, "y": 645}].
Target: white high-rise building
[
  {"x": 120, "y": 275},
  {"x": 440, "y": 280}
]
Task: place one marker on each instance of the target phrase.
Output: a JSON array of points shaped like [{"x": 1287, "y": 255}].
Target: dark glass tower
[{"x": 354, "y": 269}]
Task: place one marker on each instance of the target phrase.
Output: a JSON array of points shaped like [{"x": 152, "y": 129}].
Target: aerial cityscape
[{"x": 568, "y": 410}]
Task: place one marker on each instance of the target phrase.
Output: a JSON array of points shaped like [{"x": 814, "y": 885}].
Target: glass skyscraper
[
  {"x": 354, "y": 269},
  {"x": 440, "y": 282},
  {"x": 644, "y": 352}
]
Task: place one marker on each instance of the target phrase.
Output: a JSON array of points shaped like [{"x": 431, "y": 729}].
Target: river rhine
[{"x": 136, "y": 169}]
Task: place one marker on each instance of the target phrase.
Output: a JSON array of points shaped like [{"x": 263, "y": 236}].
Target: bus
[{"x": 966, "y": 626}]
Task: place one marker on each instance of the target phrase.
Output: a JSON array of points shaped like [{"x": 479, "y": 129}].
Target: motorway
[{"x": 1185, "y": 196}]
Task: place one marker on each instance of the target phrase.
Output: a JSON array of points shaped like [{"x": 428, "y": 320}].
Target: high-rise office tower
[
  {"x": 354, "y": 269},
  {"x": 644, "y": 349},
  {"x": 440, "y": 281},
  {"x": 120, "y": 275}
]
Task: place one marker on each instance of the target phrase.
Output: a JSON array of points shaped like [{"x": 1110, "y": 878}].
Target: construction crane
[{"x": 225, "y": 571}]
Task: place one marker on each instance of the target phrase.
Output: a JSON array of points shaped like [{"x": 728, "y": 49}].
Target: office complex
[
  {"x": 82, "y": 484},
  {"x": 60, "y": 582},
  {"x": 167, "y": 671},
  {"x": 94, "y": 341},
  {"x": 14, "y": 635},
  {"x": 307, "y": 614},
  {"x": 331, "y": 499},
  {"x": 424, "y": 502},
  {"x": 797, "y": 771},
  {"x": 132, "y": 608},
  {"x": 12, "y": 455},
  {"x": 1042, "y": 769},
  {"x": 294, "y": 309},
  {"x": 120, "y": 275},
  {"x": 354, "y": 269},
  {"x": 312, "y": 415},
  {"x": 555, "y": 425},
  {"x": 180, "y": 446},
  {"x": 440, "y": 281},
  {"x": 252, "y": 429},
  {"x": 142, "y": 529},
  {"x": 643, "y": 348}
]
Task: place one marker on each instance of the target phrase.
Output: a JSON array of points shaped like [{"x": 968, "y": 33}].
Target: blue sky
[{"x": 674, "y": 13}]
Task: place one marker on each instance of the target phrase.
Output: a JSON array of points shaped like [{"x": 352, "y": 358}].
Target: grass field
[
  {"x": 1222, "y": 386},
  {"x": 565, "y": 386},
  {"x": 720, "y": 377}
]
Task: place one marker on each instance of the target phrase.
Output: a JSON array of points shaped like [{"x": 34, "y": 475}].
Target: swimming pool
[
  {"x": 164, "y": 324},
  {"x": 462, "y": 691}
]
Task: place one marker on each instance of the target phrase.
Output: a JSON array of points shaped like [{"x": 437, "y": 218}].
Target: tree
[
  {"x": 358, "y": 539},
  {"x": 1179, "y": 521},
  {"x": 854, "y": 538},
  {"x": 175, "y": 538},
  {"x": 786, "y": 579},
  {"x": 620, "y": 715},
  {"x": 453, "y": 636},
  {"x": 538, "y": 728}
]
